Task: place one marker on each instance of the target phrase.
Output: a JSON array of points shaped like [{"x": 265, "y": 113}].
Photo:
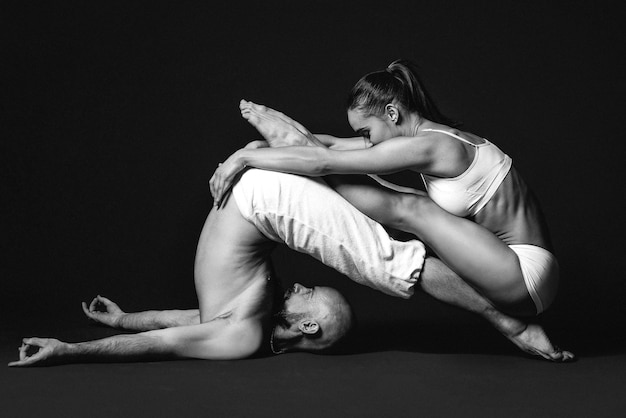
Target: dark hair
[{"x": 398, "y": 82}]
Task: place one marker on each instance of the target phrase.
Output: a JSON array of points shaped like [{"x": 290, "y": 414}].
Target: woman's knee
[{"x": 411, "y": 210}]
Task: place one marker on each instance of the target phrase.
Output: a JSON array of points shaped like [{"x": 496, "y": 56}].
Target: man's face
[
  {"x": 306, "y": 302},
  {"x": 300, "y": 300},
  {"x": 319, "y": 311}
]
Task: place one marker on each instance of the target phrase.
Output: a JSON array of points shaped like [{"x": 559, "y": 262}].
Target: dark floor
[{"x": 452, "y": 367}]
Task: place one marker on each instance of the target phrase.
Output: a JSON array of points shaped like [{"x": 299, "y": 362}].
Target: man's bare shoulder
[{"x": 243, "y": 337}]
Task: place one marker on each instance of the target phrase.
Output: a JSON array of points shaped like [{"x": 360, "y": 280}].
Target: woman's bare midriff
[{"x": 513, "y": 214}]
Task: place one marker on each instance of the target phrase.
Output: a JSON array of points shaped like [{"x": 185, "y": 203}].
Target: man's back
[{"x": 233, "y": 276}]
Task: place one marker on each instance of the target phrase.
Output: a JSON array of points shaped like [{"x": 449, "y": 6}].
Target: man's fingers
[
  {"x": 87, "y": 310},
  {"x": 25, "y": 360},
  {"x": 18, "y": 364},
  {"x": 27, "y": 343},
  {"x": 92, "y": 305},
  {"x": 93, "y": 314},
  {"x": 23, "y": 351},
  {"x": 105, "y": 301},
  {"x": 41, "y": 349},
  {"x": 32, "y": 341}
]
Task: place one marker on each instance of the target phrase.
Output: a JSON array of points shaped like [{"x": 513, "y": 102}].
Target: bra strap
[{"x": 450, "y": 134}]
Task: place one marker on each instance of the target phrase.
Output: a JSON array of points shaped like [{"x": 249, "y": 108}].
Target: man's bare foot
[
  {"x": 278, "y": 129},
  {"x": 534, "y": 341}
]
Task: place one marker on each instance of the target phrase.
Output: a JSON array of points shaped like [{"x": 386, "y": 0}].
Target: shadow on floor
[{"x": 584, "y": 337}]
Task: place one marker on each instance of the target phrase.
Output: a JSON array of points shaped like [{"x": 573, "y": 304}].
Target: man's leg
[
  {"x": 440, "y": 282},
  {"x": 310, "y": 217}
]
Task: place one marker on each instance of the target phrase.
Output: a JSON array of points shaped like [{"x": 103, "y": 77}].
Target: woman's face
[{"x": 372, "y": 128}]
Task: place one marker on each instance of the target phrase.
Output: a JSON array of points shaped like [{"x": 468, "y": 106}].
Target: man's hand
[
  {"x": 47, "y": 349},
  {"x": 104, "y": 311}
]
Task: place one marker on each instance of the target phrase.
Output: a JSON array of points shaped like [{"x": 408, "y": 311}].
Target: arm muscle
[{"x": 391, "y": 156}]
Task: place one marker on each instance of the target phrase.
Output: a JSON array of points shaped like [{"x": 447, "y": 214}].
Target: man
[
  {"x": 236, "y": 291},
  {"x": 231, "y": 276}
]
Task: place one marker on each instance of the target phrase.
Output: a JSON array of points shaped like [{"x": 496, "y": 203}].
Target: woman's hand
[
  {"x": 224, "y": 177},
  {"x": 259, "y": 143}
]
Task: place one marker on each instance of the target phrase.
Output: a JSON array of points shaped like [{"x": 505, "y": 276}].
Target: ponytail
[{"x": 399, "y": 82}]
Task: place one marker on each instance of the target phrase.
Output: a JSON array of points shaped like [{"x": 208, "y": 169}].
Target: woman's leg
[
  {"x": 443, "y": 284},
  {"x": 473, "y": 252},
  {"x": 384, "y": 205}
]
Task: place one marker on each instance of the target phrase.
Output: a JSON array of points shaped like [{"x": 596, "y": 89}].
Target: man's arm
[
  {"x": 216, "y": 340},
  {"x": 107, "y": 312}
]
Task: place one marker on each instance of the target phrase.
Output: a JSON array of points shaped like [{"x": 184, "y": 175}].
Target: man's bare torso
[{"x": 233, "y": 274}]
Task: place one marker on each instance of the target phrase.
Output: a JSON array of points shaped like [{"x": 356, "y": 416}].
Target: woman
[{"x": 479, "y": 215}]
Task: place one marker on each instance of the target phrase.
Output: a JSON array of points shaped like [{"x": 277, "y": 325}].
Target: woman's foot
[
  {"x": 534, "y": 341},
  {"x": 530, "y": 338}
]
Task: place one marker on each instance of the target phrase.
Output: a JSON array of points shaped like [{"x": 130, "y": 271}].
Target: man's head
[{"x": 312, "y": 319}]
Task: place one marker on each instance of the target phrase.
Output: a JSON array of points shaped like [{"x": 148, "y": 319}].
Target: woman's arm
[
  {"x": 258, "y": 143},
  {"x": 390, "y": 156},
  {"x": 343, "y": 144},
  {"x": 320, "y": 140}
]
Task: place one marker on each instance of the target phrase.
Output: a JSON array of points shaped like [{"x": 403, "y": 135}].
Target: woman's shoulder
[
  {"x": 444, "y": 141},
  {"x": 453, "y": 135}
]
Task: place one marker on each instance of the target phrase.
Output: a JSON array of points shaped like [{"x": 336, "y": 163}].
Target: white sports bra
[{"x": 466, "y": 194}]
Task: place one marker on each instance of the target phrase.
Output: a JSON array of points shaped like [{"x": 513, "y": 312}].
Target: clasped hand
[
  {"x": 47, "y": 349},
  {"x": 104, "y": 311},
  {"x": 224, "y": 177}
]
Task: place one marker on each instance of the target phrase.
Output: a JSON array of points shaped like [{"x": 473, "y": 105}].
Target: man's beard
[
  {"x": 287, "y": 293},
  {"x": 283, "y": 318}
]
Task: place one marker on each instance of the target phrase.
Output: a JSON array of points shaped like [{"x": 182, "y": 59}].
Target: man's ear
[
  {"x": 392, "y": 113},
  {"x": 309, "y": 326}
]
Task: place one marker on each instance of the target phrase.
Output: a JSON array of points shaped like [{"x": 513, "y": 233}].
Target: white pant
[{"x": 310, "y": 217}]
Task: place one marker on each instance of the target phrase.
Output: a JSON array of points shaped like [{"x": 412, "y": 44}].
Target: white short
[
  {"x": 540, "y": 270},
  {"x": 310, "y": 217}
]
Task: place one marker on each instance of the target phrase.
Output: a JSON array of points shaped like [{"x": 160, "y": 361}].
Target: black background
[{"x": 114, "y": 116}]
